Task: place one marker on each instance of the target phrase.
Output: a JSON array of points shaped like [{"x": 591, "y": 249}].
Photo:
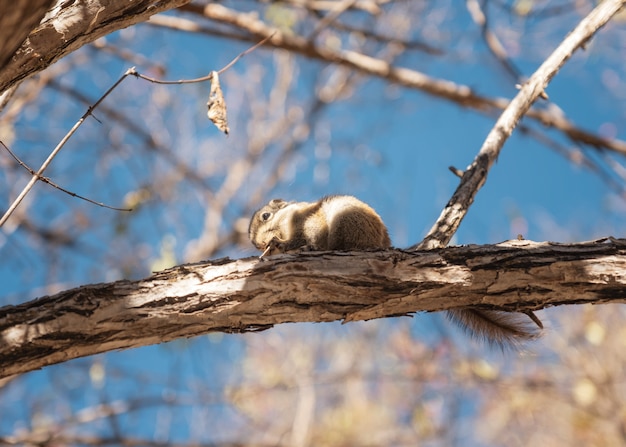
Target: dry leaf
[{"x": 217, "y": 105}]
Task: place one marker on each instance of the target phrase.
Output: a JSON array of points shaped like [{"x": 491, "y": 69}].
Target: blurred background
[{"x": 305, "y": 123}]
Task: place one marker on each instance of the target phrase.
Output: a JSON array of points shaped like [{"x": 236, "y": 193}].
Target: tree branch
[
  {"x": 72, "y": 26},
  {"x": 78, "y": 24},
  {"x": 476, "y": 175},
  {"x": 16, "y": 21},
  {"x": 460, "y": 94},
  {"x": 251, "y": 295}
]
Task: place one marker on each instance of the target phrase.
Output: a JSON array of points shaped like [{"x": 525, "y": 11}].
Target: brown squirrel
[
  {"x": 346, "y": 223},
  {"x": 332, "y": 223}
]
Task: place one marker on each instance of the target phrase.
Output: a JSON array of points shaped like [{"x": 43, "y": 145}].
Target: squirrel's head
[{"x": 264, "y": 226}]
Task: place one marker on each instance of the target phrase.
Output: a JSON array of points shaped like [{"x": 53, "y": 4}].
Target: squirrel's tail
[{"x": 502, "y": 329}]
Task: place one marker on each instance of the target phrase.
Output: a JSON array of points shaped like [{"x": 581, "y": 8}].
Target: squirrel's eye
[{"x": 266, "y": 216}]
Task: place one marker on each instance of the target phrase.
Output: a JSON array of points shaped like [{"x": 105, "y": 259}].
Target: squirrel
[
  {"x": 345, "y": 223},
  {"x": 332, "y": 223}
]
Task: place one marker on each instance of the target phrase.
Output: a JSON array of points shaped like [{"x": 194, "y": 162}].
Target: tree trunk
[
  {"x": 251, "y": 295},
  {"x": 72, "y": 25},
  {"x": 16, "y": 22}
]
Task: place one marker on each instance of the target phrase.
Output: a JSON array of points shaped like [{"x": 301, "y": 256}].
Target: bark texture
[
  {"x": 16, "y": 21},
  {"x": 251, "y": 295},
  {"x": 72, "y": 24}
]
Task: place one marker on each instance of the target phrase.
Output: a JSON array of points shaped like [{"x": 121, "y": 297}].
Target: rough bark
[
  {"x": 16, "y": 21},
  {"x": 250, "y": 295},
  {"x": 69, "y": 26}
]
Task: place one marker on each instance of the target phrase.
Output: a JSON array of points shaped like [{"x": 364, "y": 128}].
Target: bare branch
[
  {"x": 475, "y": 177},
  {"x": 242, "y": 54},
  {"x": 210, "y": 75},
  {"x": 491, "y": 39},
  {"x": 131, "y": 71},
  {"x": 459, "y": 94},
  {"x": 54, "y": 185},
  {"x": 251, "y": 295},
  {"x": 150, "y": 141},
  {"x": 39, "y": 174}
]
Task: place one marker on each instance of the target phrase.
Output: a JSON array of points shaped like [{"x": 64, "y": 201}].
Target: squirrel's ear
[{"x": 277, "y": 203}]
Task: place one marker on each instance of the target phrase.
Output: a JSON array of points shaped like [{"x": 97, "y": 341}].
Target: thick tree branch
[
  {"x": 16, "y": 21},
  {"x": 250, "y": 295},
  {"x": 476, "y": 175},
  {"x": 70, "y": 26}
]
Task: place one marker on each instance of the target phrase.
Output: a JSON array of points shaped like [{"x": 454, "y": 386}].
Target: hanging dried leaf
[{"x": 217, "y": 105}]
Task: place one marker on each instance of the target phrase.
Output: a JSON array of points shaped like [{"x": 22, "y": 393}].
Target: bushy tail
[{"x": 502, "y": 329}]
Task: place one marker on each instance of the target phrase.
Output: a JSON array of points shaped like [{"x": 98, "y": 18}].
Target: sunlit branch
[
  {"x": 476, "y": 175},
  {"x": 248, "y": 296},
  {"x": 460, "y": 94}
]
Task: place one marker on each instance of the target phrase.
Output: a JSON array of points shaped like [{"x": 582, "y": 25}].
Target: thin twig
[
  {"x": 474, "y": 177},
  {"x": 51, "y": 183},
  {"x": 37, "y": 175},
  {"x": 149, "y": 140},
  {"x": 131, "y": 71},
  {"x": 207, "y": 77},
  {"x": 180, "y": 81},
  {"x": 494, "y": 45},
  {"x": 456, "y": 171},
  {"x": 249, "y": 50}
]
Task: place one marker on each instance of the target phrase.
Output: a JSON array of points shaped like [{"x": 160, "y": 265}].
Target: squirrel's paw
[{"x": 274, "y": 247}]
